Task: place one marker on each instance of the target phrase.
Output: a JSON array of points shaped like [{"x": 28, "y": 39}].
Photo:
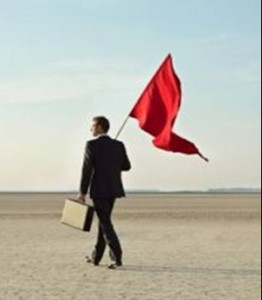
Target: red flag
[{"x": 157, "y": 110}]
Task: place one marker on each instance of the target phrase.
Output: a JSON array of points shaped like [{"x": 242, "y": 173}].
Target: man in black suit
[{"x": 104, "y": 160}]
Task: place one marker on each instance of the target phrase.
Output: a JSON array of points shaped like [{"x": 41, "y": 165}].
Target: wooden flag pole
[{"x": 122, "y": 127}]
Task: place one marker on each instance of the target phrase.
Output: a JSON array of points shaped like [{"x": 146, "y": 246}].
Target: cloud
[
  {"x": 63, "y": 80},
  {"x": 220, "y": 39},
  {"x": 38, "y": 90},
  {"x": 249, "y": 74}
]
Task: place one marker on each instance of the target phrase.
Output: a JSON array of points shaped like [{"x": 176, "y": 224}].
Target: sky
[{"x": 64, "y": 61}]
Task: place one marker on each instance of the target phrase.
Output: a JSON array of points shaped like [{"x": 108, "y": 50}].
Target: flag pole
[
  {"x": 122, "y": 127},
  {"x": 203, "y": 157}
]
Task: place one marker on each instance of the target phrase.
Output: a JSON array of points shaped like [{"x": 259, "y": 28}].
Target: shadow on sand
[{"x": 203, "y": 271}]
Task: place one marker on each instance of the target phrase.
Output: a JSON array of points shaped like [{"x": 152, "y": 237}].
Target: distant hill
[
  {"x": 155, "y": 191},
  {"x": 236, "y": 190},
  {"x": 209, "y": 191}
]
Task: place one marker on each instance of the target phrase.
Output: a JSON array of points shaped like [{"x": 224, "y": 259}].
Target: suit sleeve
[
  {"x": 87, "y": 169},
  {"x": 126, "y": 165}
]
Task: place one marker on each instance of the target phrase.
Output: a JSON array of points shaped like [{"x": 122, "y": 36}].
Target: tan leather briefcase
[{"x": 77, "y": 215}]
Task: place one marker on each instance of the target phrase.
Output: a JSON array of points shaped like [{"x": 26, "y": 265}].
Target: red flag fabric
[{"x": 157, "y": 110}]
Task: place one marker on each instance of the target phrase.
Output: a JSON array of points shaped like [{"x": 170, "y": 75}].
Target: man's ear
[{"x": 99, "y": 128}]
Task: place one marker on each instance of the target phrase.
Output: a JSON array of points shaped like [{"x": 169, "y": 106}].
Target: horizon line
[{"x": 137, "y": 191}]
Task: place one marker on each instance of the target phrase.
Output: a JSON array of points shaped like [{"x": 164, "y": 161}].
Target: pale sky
[{"x": 63, "y": 62}]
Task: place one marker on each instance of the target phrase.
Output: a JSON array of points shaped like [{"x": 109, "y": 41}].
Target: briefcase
[{"x": 77, "y": 215}]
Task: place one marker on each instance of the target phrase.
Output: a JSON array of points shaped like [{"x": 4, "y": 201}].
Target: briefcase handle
[{"x": 80, "y": 202}]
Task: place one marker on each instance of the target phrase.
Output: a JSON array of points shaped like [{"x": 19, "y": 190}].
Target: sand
[{"x": 180, "y": 247}]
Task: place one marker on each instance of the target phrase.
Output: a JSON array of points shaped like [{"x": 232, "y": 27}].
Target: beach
[{"x": 176, "y": 246}]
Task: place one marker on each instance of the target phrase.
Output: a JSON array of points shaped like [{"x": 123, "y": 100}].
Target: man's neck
[{"x": 101, "y": 134}]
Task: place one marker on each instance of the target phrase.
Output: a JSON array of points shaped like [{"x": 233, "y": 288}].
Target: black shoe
[
  {"x": 115, "y": 266},
  {"x": 91, "y": 261}
]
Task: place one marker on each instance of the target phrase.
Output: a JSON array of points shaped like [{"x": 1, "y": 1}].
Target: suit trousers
[{"x": 106, "y": 231}]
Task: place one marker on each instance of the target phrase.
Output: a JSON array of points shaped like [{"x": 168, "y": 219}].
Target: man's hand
[{"x": 81, "y": 198}]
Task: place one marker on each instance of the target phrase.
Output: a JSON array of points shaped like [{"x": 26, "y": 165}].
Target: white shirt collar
[{"x": 102, "y": 134}]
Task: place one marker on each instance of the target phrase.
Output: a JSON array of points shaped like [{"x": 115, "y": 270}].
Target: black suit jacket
[{"x": 104, "y": 160}]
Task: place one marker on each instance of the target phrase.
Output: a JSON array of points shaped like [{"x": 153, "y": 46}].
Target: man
[{"x": 104, "y": 160}]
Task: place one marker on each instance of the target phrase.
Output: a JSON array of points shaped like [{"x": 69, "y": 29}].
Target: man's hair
[{"x": 103, "y": 122}]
